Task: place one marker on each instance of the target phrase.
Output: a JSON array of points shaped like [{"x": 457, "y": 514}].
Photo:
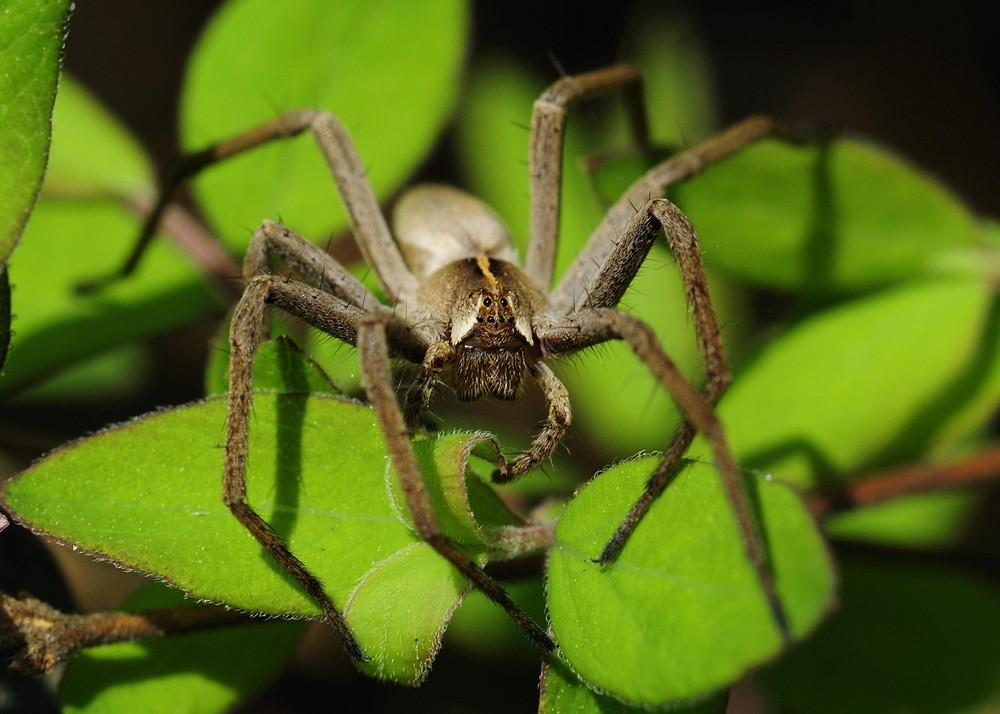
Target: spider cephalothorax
[
  {"x": 489, "y": 304},
  {"x": 459, "y": 303}
]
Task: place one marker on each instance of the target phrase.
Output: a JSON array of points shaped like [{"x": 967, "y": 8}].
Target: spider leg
[
  {"x": 556, "y": 424},
  {"x": 596, "y": 322},
  {"x": 548, "y": 124},
  {"x": 595, "y": 325},
  {"x": 418, "y": 396},
  {"x": 573, "y": 291},
  {"x": 311, "y": 264},
  {"x": 367, "y": 222},
  {"x": 248, "y": 329},
  {"x": 377, "y": 379}
]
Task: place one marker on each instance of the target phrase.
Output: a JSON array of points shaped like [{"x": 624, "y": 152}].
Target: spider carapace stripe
[{"x": 483, "y": 263}]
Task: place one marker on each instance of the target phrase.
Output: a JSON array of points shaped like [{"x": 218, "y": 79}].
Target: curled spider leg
[
  {"x": 377, "y": 380},
  {"x": 556, "y": 423},
  {"x": 441, "y": 354},
  {"x": 418, "y": 396}
]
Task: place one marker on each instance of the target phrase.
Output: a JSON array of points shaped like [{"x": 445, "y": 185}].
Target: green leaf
[
  {"x": 866, "y": 384},
  {"x": 843, "y": 215},
  {"x": 93, "y": 155},
  {"x": 909, "y": 636},
  {"x": 31, "y": 38},
  {"x": 676, "y": 71},
  {"x": 281, "y": 366},
  {"x": 55, "y": 326},
  {"x": 562, "y": 691},
  {"x": 680, "y": 609},
  {"x": 925, "y": 521},
  {"x": 202, "y": 672},
  {"x": 4, "y": 316},
  {"x": 332, "y": 499},
  {"x": 391, "y": 72},
  {"x": 81, "y": 229}
]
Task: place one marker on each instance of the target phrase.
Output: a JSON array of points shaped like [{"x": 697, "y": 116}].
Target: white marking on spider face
[{"x": 461, "y": 325}]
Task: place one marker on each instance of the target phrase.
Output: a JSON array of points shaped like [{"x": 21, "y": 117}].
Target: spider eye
[
  {"x": 490, "y": 319},
  {"x": 503, "y": 302},
  {"x": 487, "y": 302}
]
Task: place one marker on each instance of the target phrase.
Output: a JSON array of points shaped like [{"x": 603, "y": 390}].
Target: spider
[{"x": 463, "y": 310}]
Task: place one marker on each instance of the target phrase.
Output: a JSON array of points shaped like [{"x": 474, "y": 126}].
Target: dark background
[{"x": 919, "y": 77}]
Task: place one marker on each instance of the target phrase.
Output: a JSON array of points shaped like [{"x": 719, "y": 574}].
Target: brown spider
[{"x": 462, "y": 308}]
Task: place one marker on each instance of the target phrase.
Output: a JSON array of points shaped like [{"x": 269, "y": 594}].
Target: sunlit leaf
[
  {"x": 868, "y": 383},
  {"x": 31, "y": 38},
  {"x": 257, "y": 59},
  {"x": 680, "y": 608},
  {"x": 147, "y": 494},
  {"x": 833, "y": 216}
]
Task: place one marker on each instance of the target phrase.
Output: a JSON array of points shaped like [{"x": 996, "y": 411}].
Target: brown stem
[
  {"x": 195, "y": 240},
  {"x": 36, "y": 638},
  {"x": 919, "y": 478}
]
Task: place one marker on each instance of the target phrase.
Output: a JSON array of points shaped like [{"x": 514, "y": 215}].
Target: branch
[
  {"x": 909, "y": 480},
  {"x": 36, "y": 638},
  {"x": 194, "y": 239}
]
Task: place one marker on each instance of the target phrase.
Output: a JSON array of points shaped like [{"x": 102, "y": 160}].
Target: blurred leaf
[
  {"x": 31, "y": 38},
  {"x": 113, "y": 376},
  {"x": 908, "y": 636},
  {"x": 868, "y": 383},
  {"x": 680, "y": 608},
  {"x": 80, "y": 230},
  {"x": 257, "y": 59},
  {"x": 93, "y": 154},
  {"x": 837, "y": 216},
  {"x": 55, "y": 326},
  {"x": 677, "y": 77},
  {"x": 926, "y": 521},
  {"x": 487, "y": 632},
  {"x": 4, "y": 316},
  {"x": 201, "y": 672}
]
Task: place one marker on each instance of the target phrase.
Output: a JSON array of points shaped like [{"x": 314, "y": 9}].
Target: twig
[
  {"x": 195, "y": 240},
  {"x": 36, "y": 638},
  {"x": 919, "y": 478}
]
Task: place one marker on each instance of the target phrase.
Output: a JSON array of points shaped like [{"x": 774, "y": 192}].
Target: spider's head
[{"x": 491, "y": 332}]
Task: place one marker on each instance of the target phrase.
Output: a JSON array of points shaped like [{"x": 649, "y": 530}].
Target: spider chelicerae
[{"x": 462, "y": 308}]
